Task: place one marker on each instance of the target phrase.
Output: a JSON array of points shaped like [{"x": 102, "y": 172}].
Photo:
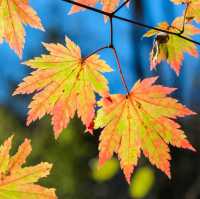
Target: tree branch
[
  {"x": 111, "y": 45},
  {"x": 158, "y": 29},
  {"x": 131, "y": 21},
  {"x": 111, "y": 32}
]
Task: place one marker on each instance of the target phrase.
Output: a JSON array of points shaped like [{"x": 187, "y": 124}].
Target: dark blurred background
[{"x": 74, "y": 154}]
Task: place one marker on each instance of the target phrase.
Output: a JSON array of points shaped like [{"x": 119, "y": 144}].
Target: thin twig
[
  {"x": 154, "y": 28},
  {"x": 120, "y": 69},
  {"x": 116, "y": 56},
  {"x": 131, "y": 21},
  {"x": 111, "y": 45},
  {"x": 111, "y": 32},
  {"x": 184, "y": 19},
  {"x": 96, "y": 51},
  {"x": 121, "y": 6}
]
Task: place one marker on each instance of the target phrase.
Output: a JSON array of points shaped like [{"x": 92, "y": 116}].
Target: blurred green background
[{"x": 76, "y": 175}]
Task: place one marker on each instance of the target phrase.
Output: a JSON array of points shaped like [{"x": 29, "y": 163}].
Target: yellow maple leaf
[
  {"x": 66, "y": 82},
  {"x": 142, "y": 120},
  {"x": 17, "y": 182},
  {"x": 13, "y": 14},
  {"x": 193, "y": 10}
]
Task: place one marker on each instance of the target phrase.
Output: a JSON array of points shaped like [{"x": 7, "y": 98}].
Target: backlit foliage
[
  {"x": 17, "y": 182},
  {"x": 170, "y": 47},
  {"x": 13, "y": 14},
  {"x": 65, "y": 83},
  {"x": 193, "y": 12},
  {"x": 141, "y": 121}
]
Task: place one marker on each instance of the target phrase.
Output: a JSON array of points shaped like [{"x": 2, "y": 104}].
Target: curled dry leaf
[{"x": 171, "y": 47}]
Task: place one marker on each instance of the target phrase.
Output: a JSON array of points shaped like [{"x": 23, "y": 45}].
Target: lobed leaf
[
  {"x": 65, "y": 82},
  {"x": 13, "y": 14},
  {"x": 171, "y": 47},
  {"x": 18, "y": 182},
  {"x": 193, "y": 11},
  {"x": 107, "y": 5},
  {"x": 142, "y": 120}
]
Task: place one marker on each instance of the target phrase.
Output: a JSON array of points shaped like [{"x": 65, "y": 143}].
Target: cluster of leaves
[{"x": 64, "y": 83}]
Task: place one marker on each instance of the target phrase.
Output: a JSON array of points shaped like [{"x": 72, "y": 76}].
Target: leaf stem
[
  {"x": 96, "y": 51},
  {"x": 184, "y": 18},
  {"x": 111, "y": 32},
  {"x": 120, "y": 69},
  {"x": 111, "y": 45}
]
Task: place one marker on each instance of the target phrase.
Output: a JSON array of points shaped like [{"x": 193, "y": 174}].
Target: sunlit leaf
[
  {"x": 65, "y": 83},
  {"x": 17, "y": 182},
  {"x": 171, "y": 47},
  {"x": 107, "y": 5},
  {"x": 13, "y": 14},
  {"x": 193, "y": 11},
  {"x": 141, "y": 121}
]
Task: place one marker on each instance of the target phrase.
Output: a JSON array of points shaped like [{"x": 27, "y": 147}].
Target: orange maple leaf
[
  {"x": 171, "y": 47},
  {"x": 19, "y": 182},
  {"x": 13, "y": 14},
  {"x": 75, "y": 8},
  {"x": 65, "y": 82},
  {"x": 142, "y": 120},
  {"x": 107, "y": 5}
]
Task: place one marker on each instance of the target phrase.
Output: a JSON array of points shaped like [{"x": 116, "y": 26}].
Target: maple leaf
[
  {"x": 107, "y": 5},
  {"x": 17, "y": 182},
  {"x": 193, "y": 10},
  {"x": 142, "y": 120},
  {"x": 171, "y": 47},
  {"x": 75, "y": 8},
  {"x": 65, "y": 83},
  {"x": 13, "y": 14}
]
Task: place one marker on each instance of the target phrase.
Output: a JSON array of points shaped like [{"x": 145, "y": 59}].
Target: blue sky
[{"x": 90, "y": 32}]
